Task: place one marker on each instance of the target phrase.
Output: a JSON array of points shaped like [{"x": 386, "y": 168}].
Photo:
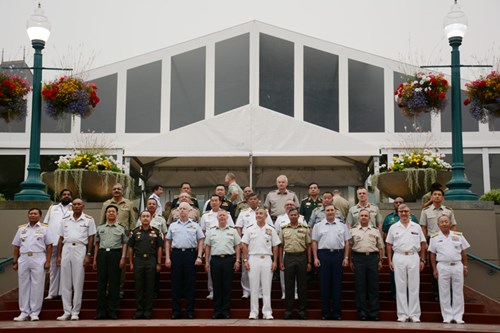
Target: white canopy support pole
[
  {"x": 142, "y": 185},
  {"x": 376, "y": 166},
  {"x": 250, "y": 170}
]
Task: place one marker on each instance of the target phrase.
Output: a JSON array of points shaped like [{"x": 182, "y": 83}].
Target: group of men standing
[{"x": 320, "y": 233}]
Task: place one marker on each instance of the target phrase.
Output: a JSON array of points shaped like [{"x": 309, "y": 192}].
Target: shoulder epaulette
[
  {"x": 232, "y": 226},
  {"x": 251, "y": 225},
  {"x": 449, "y": 208},
  {"x": 458, "y": 233},
  {"x": 88, "y": 216},
  {"x": 272, "y": 226},
  {"x": 45, "y": 224},
  {"x": 214, "y": 227},
  {"x": 244, "y": 209},
  {"x": 67, "y": 216},
  {"x": 21, "y": 225},
  {"x": 434, "y": 234}
]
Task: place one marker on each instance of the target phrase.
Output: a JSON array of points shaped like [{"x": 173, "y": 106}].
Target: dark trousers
[
  {"x": 108, "y": 279},
  {"x": 183, "y": 280},
  {"x": 221, "y": 270},
  {"x": 330, "y": 281},
  {"x": 366, "y": 278},
  {"x": 295, "y": 269},
  {"x": 144, "y": 274}
]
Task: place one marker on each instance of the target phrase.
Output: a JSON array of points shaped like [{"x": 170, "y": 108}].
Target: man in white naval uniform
[
  {"x": 449, "y": 262},
  {"x": 54, "y": 216},
  {"x": 246, "y": 218},
  {"x": 32, "y": 251},
  {"x": 74, "y": 250},
  {"x": 260, "y": 242},
  {"x": 406, "y": 239}
]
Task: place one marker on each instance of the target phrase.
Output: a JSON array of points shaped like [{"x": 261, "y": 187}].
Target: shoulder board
[
  {"x": 232, "y": 227},
  {"x": 434, "y": 234},
  {"x": 44, "y": 224},
  {"x": 154, "y": 228},
  {"x": 428, "y": 207},
  {"x": 272, "y": 226},
  {"x": 21, "y": 225},
  {"x": 308, "y": 198},
  {"x": 67, "y": 216},
  {"x": 458, "y": 233},
  {"x": 449, "y": 208},
  {"x": 251, "y": 225},
  {"x": 286, "y": 225},
  {"x": 214, "y": 227},
  {"x": 88, "y": 216}
]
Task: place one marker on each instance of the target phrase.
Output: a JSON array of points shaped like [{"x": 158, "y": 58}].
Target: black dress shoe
[
  {"x": 176, "y": 316},
  {"x": 113, "y": 316},
  {"x": 287, "y": 316},
  {"x": 325, "y": 317},
  {"x": 302, "y": 316},
  {"x": 100, "y": 317},
  {"x": 363, "y": 318},
  {"x": 337, "y": 318},
  {"x": 139, "y": 316},
  {"x": 376, "y": 318},
  {"x": 190, "y": 316}
]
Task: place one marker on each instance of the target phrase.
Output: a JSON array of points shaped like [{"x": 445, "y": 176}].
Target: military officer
[
  {"x": 243, "y": 204},
  {"x": 183, "y": 252},
  {"x": 246, "y": 219},
  {"x": 296, "y": 243},
  {"x": 449, "y": 260},
  {"x": 353, "y": 214},
  {"x": 109, "y": 258},
  {"x": 367, "y": 250},
  {"x": 275, "y": 200},
  {"x": 222, "y": 245},
  {"x": 318, "y": 213},
  {"x": 32, "y": 252},
  {"x": 308, "y": 204},
  {"x": 260, "y": 242},
  {"x": 406, "y": 240},
  {"x": 54, "y": 216},
  {"x": 144, "y": 253},
  {"x": 331, "y": 249},
  {"x": 76, "y": 242},
  {"x": 429, "y": 223}
]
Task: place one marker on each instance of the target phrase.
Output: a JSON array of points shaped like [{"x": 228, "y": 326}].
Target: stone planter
[
  {"x": 410, "y": 184},
  {"x": 91, "y": 186}
]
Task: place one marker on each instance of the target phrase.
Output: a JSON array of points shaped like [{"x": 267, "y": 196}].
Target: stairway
[{"x": 476, "y": 311}]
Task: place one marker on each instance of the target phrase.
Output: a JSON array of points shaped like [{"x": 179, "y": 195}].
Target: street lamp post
[
  {"x": 455, "y": 26},
  {"x": 38, "y": 28}
]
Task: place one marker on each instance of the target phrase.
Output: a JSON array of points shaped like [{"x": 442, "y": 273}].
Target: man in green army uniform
[
  {"x": 144, "y": 253},
  {"x": 222, "y": 246},
  {"x": 109, "y": 258},
  {"x": 311, "y": 202},
  {"x": 296, "y": 243}
]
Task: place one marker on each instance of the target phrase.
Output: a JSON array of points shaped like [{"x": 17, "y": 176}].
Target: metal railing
[
  {"x": 492, "y": 268},
  {"x": 4, "y": 262}
]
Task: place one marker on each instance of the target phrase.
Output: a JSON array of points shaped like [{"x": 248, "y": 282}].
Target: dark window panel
[
  {"x": 187, "y": 92},
  {"x": 276, "y": 74},
  {"x": 321, "y": 88},
  {"x": 494, "y": 176},
  {"x": 12, "y": 169},
  {"x": 366, "y": 97},
  {"x": 403, "y": 123},
  {"x": 103, "y": 119},
  {"x": 469, "y": 124},
  {"x": 232, "y": 73},
  {"x": 143, "y": 110},
  {"x": 473, "y": 171}
]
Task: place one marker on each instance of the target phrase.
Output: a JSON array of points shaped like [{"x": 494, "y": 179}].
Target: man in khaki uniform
[
  {"x": 367, "y": 249},
  {"x": 194, "y": 212},
  {"x": 340, "y": 203},
  {"x": 296, "y": 243},
  {"x": 275, "y": 200},
  {"x": 376, "y": 219}
]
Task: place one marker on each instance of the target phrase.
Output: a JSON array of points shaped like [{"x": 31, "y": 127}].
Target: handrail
[
  {"x": 5, "y": 261},
  {"x": 491, "y": 267}
]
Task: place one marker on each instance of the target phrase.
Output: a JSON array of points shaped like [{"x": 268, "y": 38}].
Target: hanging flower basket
[
  {"x": 424, "y": 92},
  {"x": 69, "y": 95},
  {"x": 13, "y": 91},
  {"x": 483, "y": 96}
]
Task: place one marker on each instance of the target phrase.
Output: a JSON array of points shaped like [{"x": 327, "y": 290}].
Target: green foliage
[{"x": 493, "y": 195}]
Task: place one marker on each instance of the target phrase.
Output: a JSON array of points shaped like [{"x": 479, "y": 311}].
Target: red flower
[{"x": 467, "y": 102}]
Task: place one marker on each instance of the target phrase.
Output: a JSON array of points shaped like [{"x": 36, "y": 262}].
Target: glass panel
[
  {"x": 143, "y": 110},
  {"x": 15, "y": 126},
  {"x": 469, "y": 124},
  {"x": 11, "y": 174},
  {"x": 232, "y": 73},
  {"x": 494, "y": 176},
  {"x": 321, "y": 88},
  {"x": 276, "y": 74},
  {"x": 403, "y": 123},
  {"x": 50, "y": 125},
  {"x": 187, "y": 93},
  {"x": 366, "y": 97},
  {"x": 103, "y": 119},
  {"x": 473, "y": 171},
  {"x": 494, "y": 124}
]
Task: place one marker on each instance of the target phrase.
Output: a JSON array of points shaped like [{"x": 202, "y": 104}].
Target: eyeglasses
[{"x": 404, "y": 211}]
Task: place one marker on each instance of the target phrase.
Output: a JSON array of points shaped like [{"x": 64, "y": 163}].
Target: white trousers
[
  {"x": 260, "y": 274},
  {"x": 31, "y": 279},
  {"x": 72, "y": 277},
  {"x": 407, "y": 278},
  {"x": 245, "y": 281},
  {"x": 453, "y": 276},
  {"x": 54, "y": 274}
]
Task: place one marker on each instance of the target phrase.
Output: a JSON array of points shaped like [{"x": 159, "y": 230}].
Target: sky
[{"x": 94, "y": 33}]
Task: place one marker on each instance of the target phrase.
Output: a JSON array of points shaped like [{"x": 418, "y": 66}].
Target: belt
[
  {"x": 451, "y": 263},
  {"x": 31, "y": 254},
  {"x": 261, "y": 256},
  {"x": 365, "y": 253},
  {"x": 407, "y": 253},
  {"x": 332, "y": 250},
  {"x": 222, "y": 256},
  {"x": 145, "y": 255},
  {"x": 183, "y": 250},
  {"x": 108, "y": 249},
  {"x": 74, "y": 243},
  {"x": 295, "y": 253}
]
